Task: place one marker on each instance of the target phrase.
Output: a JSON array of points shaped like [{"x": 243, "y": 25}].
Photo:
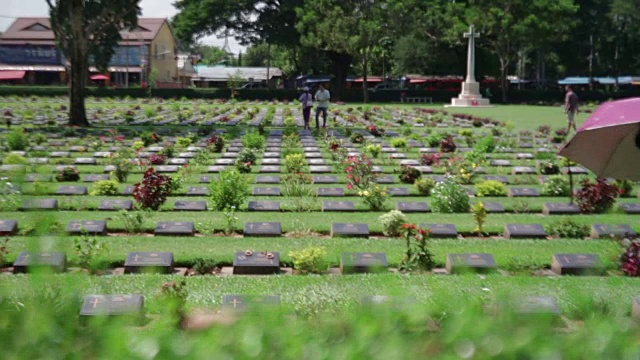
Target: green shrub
[
  {"x": 137, "y": 145},
  {"x": 357, "y": 138},
  {"x": 105, "y": 188},
  {"x": 556, "y": 186},
  {"x": 424, "y": 186},
  {"x": 568, "y": 228},
  {"x": 485, "y": 145},
  {"x": 247, "y": 155},
  {"x": 149, "y": 138},
  {"x": 491, "y": 188},
  {"x": 133, "y": 220},
  {"x": 310, "y": 260},
  {"x": 399, "y": 143},
  {"x": 294, "y": 162},
  {"x": 39, "y": 138},
  {"x": 231, "y": 190},
  {"x": 17, "y": 140},
  {"x": 15, "y": 159},
  {"x": 435, "y": 138},
  {"x": 625, "y": 187},
  {"x": 67, "y": 174},
  {"x": 449, "y": 197},
  {"x": 253, "y": 140},
  {"x": 183, "y": 142},
  {"x": 392, "y": 222},
  {"x": 203, "y": 266}
]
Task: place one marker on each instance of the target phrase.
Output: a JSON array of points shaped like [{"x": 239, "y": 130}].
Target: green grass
[{"x": 310, "y": 294}]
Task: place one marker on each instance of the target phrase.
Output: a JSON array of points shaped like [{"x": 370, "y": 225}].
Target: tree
[
  {"x": 344, "y": 29},
  {"x": 87, "y": 32},
  {"x": 506, "y": 26},
  {"x": 210, "y": 55}
]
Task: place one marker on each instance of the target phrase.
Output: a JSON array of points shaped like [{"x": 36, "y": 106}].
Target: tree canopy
[
  {"x": 87, "y": 33},
  {"x": 534, "y": 39}
]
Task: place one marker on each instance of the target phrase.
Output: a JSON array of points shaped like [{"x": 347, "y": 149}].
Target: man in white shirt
[{"x": 322, "y": 97}]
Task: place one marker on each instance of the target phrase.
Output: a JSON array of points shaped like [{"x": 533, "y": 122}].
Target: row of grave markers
[
  {"x": 274, "y": 229},
  {"x": 268, "y": 263}
]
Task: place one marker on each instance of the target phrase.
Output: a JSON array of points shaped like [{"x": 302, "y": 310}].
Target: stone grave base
[
  {"x": 180, "y": 271},
  {"x": 228, "y": 270}
]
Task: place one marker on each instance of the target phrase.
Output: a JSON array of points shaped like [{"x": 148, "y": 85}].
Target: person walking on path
[
  {"x": 322, "y": 97},
  {"x": 571, "y": 107},
  {"x": 307, "y": 103}
]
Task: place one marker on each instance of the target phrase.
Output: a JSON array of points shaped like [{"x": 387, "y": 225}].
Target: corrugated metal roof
[{"x": 246, "y": 73}]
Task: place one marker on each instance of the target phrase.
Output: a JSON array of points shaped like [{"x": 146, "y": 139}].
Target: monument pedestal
[{"x": 469, "y": 97}]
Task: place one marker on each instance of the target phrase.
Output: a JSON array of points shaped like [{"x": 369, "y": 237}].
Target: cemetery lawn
[{"x": 337, "y": 294}]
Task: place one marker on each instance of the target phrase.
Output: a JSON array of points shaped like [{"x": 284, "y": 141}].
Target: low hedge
[{"x": 348, "y": 95}]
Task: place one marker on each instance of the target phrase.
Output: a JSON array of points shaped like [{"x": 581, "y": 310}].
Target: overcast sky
[{"x": 10, "y": 9}]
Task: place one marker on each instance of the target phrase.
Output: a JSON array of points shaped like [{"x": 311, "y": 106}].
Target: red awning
[
  {"x": 100, "y": 77},
  {"x": 369, "y": 79},
  {"x": 11, "y": 74}
]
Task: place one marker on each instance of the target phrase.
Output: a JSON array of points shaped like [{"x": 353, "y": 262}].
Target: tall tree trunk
[
  {"x": 503, "y": 79},
  {"x": 365, "y": 91},
  {"x": 77, "y": 112},
  {"x": 79, "y": 66},
  {"x": 341, "y": 64}
]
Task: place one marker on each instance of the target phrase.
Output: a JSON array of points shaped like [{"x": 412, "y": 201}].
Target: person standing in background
[
  {"x": 322, "y": 97},
  {"x": 571, "y": 107},
  {"x": 307, "y": 103}
]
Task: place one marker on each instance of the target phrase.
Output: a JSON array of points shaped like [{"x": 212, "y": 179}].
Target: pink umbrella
[{"x": 608, "y": 143}]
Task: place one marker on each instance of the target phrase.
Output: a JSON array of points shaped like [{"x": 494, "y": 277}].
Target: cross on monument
[{"x": 471, "y": 53}]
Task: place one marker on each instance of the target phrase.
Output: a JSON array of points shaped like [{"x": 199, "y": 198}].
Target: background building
[{"x": 28, "y": 54}]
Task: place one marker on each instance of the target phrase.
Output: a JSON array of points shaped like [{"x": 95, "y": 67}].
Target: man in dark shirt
[{"x": 571, "y": 107}]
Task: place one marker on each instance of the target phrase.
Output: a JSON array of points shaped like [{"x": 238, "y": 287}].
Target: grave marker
[
  {"x": 268, "y": 179},
  {"x": 175, "y": 228},
  {"x": 262, "y": 229},
  {"x": 115, "y": 205},
  {"x": 190, "y": 205},
  {"x": 470, "y": 262},
  {"x": 576, "y": 264},
  {"x": 560, "y": 209},
  {"x": 325, "y": 179},
  {"x": 363, "y": 262},
  {"x": 524, "y": 231},
  {"x": 604, "y": 230},
  {"x": 412, "y": 206},
  {"x": 338, "y": 192},
  {"x": 256, "y": 263},
  {"x": 523, "y": 192},
  {"x": 40, "y": 204},
  {"x": 264, "y": 206},
  {"x": 338, "y": 206},
  {"x": 266, "y": 191},
  {"x": 349, "y": 230},
  {"x": 71, "y": 190},
  {"x": 149, "y": 262},
  {"x": 113, "y": 305},
  {"x": 27, "y": 261},
  {"x": 244, "y": 302},
  {"x": 441, "y": 230},
  {"x": 92, "y": 227},
  {"x": 8, "y": 227}
]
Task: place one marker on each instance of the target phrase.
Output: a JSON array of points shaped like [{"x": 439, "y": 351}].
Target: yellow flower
[
  {"x": 366, "y": 193},
  {"x": 359, "y": 193}
]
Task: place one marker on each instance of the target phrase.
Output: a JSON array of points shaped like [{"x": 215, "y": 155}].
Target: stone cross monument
[{"x": 470, "y": 95}]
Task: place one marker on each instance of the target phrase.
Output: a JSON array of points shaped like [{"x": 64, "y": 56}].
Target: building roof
[
  {"x": 622, "y": 80},
  {"x": 218, "y": 73},
  {"x": 37, "y": 30}
]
